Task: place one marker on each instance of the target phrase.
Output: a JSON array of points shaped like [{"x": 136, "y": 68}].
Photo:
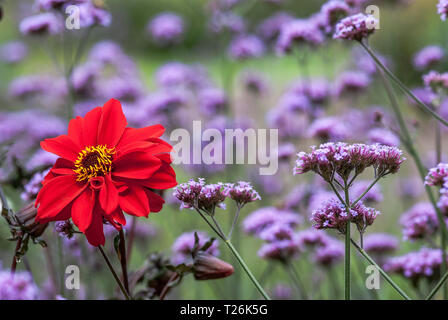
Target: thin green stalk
[
  {"x": 402, "y": 86},
  {"x": 365, "y": 192},
  {"x": 246, "y": 269},
  {"x": 117, "y": 279},
  {"x": 123, "y": 260},
  {"x": 347, "y": 246},
  {"x": 409, "y": 144},
  {"x": 296, "y": 282},
  {"x": 437, "y": 287},
  {"x": 299, "y": 281},
  {"x": 383, "y": 273},
  {"x": 235, "y": 220}
]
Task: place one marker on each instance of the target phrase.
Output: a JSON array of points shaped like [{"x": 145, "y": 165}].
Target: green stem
[
  {"x": 123, "y": 260},
  {"x": 365, "y": 192},
  {"x": 402, "y": 86},
  {"x": 409, "y": 144},
  {"x": 437, "y": 287},
  {"x": 235, "y": 220},
  {"x": 383, "y": 273},
  {"x": 347, "y": 245},
  {"x": 117, "y": 279},
  {"x": 246, "y": 269}
]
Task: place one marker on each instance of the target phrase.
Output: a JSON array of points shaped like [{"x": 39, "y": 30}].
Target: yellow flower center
[{"x": 93, "y": 162}]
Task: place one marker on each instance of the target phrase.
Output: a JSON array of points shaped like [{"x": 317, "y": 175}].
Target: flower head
[
  {"x": 19, "y": 286},
  {"x": 437, "y": 176},
  {"x": 356, "y": 27},
  {"x": 242, "y": 192},
  {"x": 333, "y": 215},
  {"x": 246, "y": 47},
  {"x": 43, "y": 23},
  {"x": 260, "y": 219},
  {"x": 436, "y": 81},
  {"x": 197, "y": 194},
  {"x": 341, "y": 158},
  {"x": 104, "y": 168},
  {"x": 419, "y": 222},
  {"x": 428, "y": 57},
  {"x": 442, "y": 9},
  {"x": 166, "y": 28},
  {"x": 298, "y": 32},
  {"x": 380, "y": 243},
  {"x": 417, "y": 265}
]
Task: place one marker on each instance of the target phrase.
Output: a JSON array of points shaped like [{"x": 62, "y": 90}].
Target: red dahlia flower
[{"x": 104, "y": 168}]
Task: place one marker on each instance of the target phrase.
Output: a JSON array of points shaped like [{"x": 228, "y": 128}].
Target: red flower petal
[
  {"x": 95, "y": 233},
  {"x": 112, "y": 124},
  {"x": 134, "y": 201},
  {"x": 62, "y": 146},
  {"x": 75, "y": 131},
  {"x": 65, "y": 214},
  {"x": 164, "y": 178},
  {"x": 82, "y": 209},
  {"x": 56, "y": 194},
  {"x": 136, "y": 165},
  {"x": 108, "y": 195},
  {"x": 142, "y": 134},
  {"x": 117, "y": 219},
  {"x": 90, "y": 125},
  {"x": 155, "y": 201}
]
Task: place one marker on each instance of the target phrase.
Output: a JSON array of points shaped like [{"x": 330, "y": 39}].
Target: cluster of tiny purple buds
[
  {"x": 333, "y": 215},
  {"x": 419, "y": 222},
  {"x": 436, "y": 81},
  {"x": 428, "y": 57},
  {"x": 437, "y": 176},
  {"x": 356, "y": 27},
  {"x": 260, "y": 219},
  {"x": 197, "y": 194},
  {"x": 242, "y": 192},
  {"x": 19, "y": 286},
  {"x": 282, "y": 243},
  {"x": 380, "y": 243},
  {"x": 424, "y": 263},
  {"x": 64, "y": 228},
  {"x": 342, "y": 159},
  {"x": 442, "y": 9}
]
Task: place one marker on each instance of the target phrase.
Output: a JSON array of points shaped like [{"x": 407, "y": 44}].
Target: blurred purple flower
[
  {"x": 330, "y": 253},
  {"x": 355, "y": 27},
  {"x": 442, "y": 9},
  {"x": 19, "y": 286},
  {"x": 428, "y": 57},
  {"x": 328, "y": 129},
  {"x": 270, "y": 28},
  {"x": 166, "y": 28},
  {"x": 298, "y": 32},
  {"x": 383, "y": 136},
  {"x": 416, "y": 265},
  {"x": 419, "y": 222},
  {"x": 183, "y": 247},
  {"x": 374, "y": 195},
  {"x": 350, "y": 82},
  {"x": 42, "y": 23},
  {"x": 380, "y": 243},
  {"x": 212, "y": 101},
  {"x": 13, "y": 52},
  {"x": 246, "y": 47},
  {"x": 260, "y": 219}
]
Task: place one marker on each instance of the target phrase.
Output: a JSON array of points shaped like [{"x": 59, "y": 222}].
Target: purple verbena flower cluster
[{"x": 341, "y": 158}]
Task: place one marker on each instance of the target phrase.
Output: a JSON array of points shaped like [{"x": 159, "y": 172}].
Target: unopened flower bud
[
  {"x": 25, "y": 217},
  {"x": 207, "y": 267}
]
